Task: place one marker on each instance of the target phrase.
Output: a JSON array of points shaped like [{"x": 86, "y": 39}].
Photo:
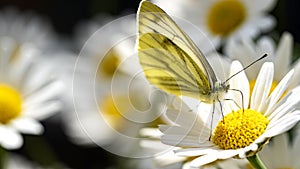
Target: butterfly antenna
[{"x": 265, "y": 55}]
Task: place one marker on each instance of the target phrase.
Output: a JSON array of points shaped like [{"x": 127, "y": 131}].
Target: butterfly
[{"x": 170, "y": 59}]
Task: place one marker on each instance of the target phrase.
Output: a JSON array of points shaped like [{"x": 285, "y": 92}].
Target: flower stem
[
  {"x": 2, "y": 157},
  {"x": 256, "y": 162}
]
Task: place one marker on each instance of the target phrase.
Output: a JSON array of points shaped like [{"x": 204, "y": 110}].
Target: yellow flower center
[
  {"x": 109, "y": 64},
  {"x": 226, "y": 16},
  {"x": 239, "y": 129},
  {"x": 10, "y": 103},
  {"x": 112, "y": 110}
]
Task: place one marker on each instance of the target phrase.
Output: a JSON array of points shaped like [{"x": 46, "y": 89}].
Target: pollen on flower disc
[{"x": 239, "y": 129}]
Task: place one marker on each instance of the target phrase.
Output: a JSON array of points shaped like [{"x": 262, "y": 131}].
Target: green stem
[
  {"x": 2, "y": 157},
  {"x": 256, "y": 162}
]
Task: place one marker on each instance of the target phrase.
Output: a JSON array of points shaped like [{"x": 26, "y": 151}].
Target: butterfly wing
[{"x": 170, "y": 59}]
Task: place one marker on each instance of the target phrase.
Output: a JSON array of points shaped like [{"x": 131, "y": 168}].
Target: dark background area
[{"x": 64, "y": 15}]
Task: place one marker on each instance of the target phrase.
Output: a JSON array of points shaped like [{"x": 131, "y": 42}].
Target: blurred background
[{"x": 64, "y": 16}]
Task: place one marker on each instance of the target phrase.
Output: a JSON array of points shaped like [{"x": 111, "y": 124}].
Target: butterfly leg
[
  {"x": 211, "y": 122},
  {"x": 237, "y": 90},
  {"x": 233, "y": 102}
]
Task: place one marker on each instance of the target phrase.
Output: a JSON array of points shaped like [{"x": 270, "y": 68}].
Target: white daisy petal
[
  {"x": 192, "y": 103},
  {"x": 220, "y": 65},
  {"x": 295, "y": 81},
  {"x": 278, "y": 91},
  {"x": 186, "y": 165},
  {"x": 10, "y": 139},
  {"x": 225, "y": 154},
  {"x": 179, "y": 140},
  {"x": 286, "y": 105},
  {"x": 7, "y": 45},
  {"x": 23, "y": 65},
  {"x": 239, "y": 82},
  {"x": 236, "y": 50},
  {"x": 265, "y": 45},
  {"x": 243, "y": 152},
  {"x": 27, "y": 126},
  {"x": 39, "y": 75},
  {"x": 266, "y": 23},
  {"x": 284, "y": 53},
  {"x": 46, "y": 93},
  {"x": 168, "y": 158},
  {"x": 43, "y": 111},
  {"x": 150, "y": 132},
  {"x": 189, "y": 152},
  {"x": 154, "y": 145},
  {"x": 284, "y": 124},
  {"x": 265, "y": 5},
  {"x": 170, "y": 130},
  {"x": 273, "y": 123},
  {"x": 206, "y": 159},
  {"x": 262, "y": 87},
  {"x": 180, "y": 117}
]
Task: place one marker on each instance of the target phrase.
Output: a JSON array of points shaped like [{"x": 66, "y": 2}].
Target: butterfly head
[{"x": 219, "y": 90}]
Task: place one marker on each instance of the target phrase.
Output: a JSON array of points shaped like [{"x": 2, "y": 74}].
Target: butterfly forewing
[
  {"x": 170, "y": 59},
  {"x": 170, "y": 68}
]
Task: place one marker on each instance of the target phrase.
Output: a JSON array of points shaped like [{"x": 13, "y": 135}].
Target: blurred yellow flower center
[
  {"x": 10, "y": 103},
  {"x": 109, "y": 64},
  {"x": 112, "y": 110},
  {"x": 226, "y": 16},
  {"x": 239, "y": 129}
]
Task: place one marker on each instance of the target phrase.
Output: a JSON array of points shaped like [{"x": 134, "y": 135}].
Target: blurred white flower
[
  {"x": 282, "y": 152},
  {"x": 108, "y": 97},
  {"x": 26, "y": 27},
  {"x": 265, "y": 114},
  {"x": 224, "y": 19},
  {"x": 28, "y": 92},
  {"x": 111, "y": 42},
  {"x": 246, "y": 51}
]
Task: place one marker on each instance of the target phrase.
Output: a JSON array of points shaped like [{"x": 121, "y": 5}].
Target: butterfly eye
[{"x": 227, "y": 87}]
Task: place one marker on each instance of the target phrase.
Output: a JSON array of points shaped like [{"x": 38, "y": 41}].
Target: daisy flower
[
  {"x": 248, "y": 122},
  {"x": 111, "y": 41},
  {"x": 108, "y": 102},
  {"x": 28, "y": 93},
  {"x": 246, "y": 51},
  {"x": 164, "y": 156},
  {"x": 225, "y": 19}
]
